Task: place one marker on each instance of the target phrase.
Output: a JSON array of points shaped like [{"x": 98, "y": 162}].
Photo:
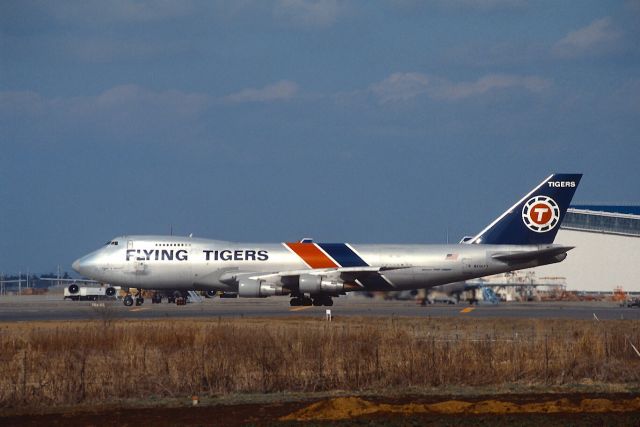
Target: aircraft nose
[
  {"x": 89, "y": 264},
  {"x": 77, "y": 265}
]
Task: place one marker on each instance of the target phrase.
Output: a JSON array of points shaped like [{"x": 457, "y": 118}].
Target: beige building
[{"x": 607, "y": 249}]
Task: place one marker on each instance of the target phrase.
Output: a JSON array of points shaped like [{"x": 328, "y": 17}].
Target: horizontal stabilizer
[{"x": 524, "y": 256}]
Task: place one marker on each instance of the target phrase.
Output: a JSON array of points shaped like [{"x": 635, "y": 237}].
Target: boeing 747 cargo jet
[{"x": 314, "y": 273}]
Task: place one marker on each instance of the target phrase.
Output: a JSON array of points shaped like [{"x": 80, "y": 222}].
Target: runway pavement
[{"x": 25, "y": 308}]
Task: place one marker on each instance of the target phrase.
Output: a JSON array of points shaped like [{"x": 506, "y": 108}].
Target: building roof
[
  {"x": 609, "y": 219},
  {"x": 621, "y": 209}
]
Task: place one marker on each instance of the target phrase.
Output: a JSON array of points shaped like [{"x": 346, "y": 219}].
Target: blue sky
[{"x": 372, "y": 121}]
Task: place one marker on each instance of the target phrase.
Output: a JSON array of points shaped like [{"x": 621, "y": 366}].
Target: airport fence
[{"x": 50, "y": 363}]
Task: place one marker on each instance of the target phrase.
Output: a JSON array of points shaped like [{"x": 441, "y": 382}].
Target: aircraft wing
[
  {"x": 53, "y": 279},
  {"x": 351, "y": 272}
]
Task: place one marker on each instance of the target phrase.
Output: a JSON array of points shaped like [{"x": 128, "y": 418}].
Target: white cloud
[
  {"x": 91, "y": 11},
  {"x": 400, "y": 87},
  {"x": 100, "y": 50},
  {"x": 121, "y": 111},
  {"x": 307, "y": 13},
  {"x": 453, "y": 91},
  {"x": 280, "y": 91},
  {"x": 22, "y": 103},
  {"x": 133, "y": 96},
  {"x": 485, "y": 4},
  {"x": 461, "y": 4},
  {"x": 633, "y": 5},
  {"x": 596, "y": 38}
]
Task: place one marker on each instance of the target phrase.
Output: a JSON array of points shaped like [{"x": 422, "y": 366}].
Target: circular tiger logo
[{"x": 541, "y": 214}]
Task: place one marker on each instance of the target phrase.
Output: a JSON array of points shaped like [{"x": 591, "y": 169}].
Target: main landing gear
[
  {"x": 317, "y": 301},
  {"x": 298, "y": 301},
  {"x": 129, "y": 300}
]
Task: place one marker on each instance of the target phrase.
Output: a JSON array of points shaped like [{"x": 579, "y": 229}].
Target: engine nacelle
[
  {"x": 310, "y": 284},
  {"x": 249, "y": 288}
]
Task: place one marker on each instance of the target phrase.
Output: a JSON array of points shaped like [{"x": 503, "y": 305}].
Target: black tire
[
  {"x": 73, "y": 288},
  {"x": 328, "y": 302},
  {"x": 139, "y": 301},
  {"x": 110, "y": 291},
  {"x": 128, "y": 301}
]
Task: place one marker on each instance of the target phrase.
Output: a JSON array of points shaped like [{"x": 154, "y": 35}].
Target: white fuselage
[{"x": 172, "y": 262}]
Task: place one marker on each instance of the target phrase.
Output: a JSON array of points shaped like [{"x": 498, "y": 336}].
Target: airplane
[{"x": 313, "y": 273}]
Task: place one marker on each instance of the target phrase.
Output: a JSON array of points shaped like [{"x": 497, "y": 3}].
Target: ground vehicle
[
  {"x": 633, "y": 302},
  {"x": 89, "y": 293}
]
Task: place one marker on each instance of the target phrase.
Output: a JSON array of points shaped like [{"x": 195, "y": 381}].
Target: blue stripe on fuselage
[{"x": 342, "y": 254}]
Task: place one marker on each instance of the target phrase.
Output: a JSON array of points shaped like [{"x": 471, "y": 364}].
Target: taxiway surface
[{"x": 29, "y": 308}]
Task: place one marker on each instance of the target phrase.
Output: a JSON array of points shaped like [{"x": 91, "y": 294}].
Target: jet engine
[
  {"x": 249, "y": 288},
  {"x": 310, "y": 284}
]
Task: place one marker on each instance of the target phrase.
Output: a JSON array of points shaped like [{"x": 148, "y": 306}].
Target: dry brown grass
[{"x": 72, "y": 362}]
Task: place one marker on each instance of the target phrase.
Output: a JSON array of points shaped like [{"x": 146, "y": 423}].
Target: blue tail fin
[{"x": 536, "y": 218}]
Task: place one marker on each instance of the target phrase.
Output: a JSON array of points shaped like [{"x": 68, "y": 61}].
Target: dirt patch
[
  {"x": 517, "y": 409},
  {"x": 353, "y": 407}
]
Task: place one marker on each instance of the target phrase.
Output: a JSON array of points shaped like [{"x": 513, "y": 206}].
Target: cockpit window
[{"x": 111, "y": 242}]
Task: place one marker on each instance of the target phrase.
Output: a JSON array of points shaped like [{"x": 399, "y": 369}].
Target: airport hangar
[{"x": 607, "y": 249}]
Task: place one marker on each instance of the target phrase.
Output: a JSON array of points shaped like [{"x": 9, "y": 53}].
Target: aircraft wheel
[
  {"x": 128, "y": 301},
  {"x": 139, "y": 301},
  {"x": 295, "y": 302},
  {"x": 307, "y": 302},
  {"x": 328, "y": 302}
]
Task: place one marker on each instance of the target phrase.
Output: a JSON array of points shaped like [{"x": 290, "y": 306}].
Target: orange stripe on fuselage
[{"x": 310, "y": 254}]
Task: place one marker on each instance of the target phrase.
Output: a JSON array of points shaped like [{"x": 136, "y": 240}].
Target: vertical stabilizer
[{"x": 534, "y": 219}]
